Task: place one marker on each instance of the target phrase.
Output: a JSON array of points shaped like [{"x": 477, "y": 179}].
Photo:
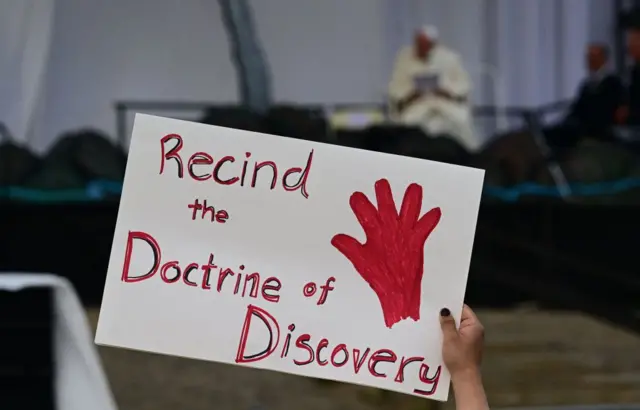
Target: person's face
[
  {"x": 633, "y": 44},
  {"x": 596, "y": 58},
  {"x": 422, "y": 46}
]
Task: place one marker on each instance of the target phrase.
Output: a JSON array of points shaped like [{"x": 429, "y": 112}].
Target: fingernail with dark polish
[{"x": 445, "y": 312}]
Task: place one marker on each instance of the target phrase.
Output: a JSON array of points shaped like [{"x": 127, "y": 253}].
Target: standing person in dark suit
[
  {"x": 633, "y": 50},
  {"x": 597, "y": 106}
]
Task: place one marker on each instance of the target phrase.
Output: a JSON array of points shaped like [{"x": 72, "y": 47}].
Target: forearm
[
  {"x": 401, "y": 104},
  {"x": 457, "y": 83},
  {"x": 469, "y": 391},
  {"x": 401, "y": 94}
]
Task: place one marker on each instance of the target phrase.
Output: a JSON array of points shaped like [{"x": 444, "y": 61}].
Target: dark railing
[
  {"x": 122, "y": 108},
  {"x": 534, "y": 123}
]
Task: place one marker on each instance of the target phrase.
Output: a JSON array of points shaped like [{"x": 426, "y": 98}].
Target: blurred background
[{"x": 542, "y": 94}]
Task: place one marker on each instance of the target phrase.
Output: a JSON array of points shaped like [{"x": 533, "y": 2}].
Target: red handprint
[{"x": 392, "y": 258}]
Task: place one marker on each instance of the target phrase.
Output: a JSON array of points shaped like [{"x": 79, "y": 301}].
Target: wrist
[
  {"x": 468, "y": 389},
  {"x": 466, "y": 376}
]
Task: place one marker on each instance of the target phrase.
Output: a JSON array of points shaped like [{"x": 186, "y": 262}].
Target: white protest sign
[{"x": 288, "y": 255}]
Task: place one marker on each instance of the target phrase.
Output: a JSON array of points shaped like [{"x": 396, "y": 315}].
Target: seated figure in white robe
[{"x": 430, "y": 88}]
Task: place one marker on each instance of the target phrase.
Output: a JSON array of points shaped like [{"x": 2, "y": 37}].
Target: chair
[
  {"x": 305, "y": 123},
  {"x": 26, "y": 356},
  {"x": 61, "y": 346}
]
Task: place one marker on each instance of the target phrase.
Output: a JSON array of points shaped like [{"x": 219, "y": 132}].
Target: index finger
[{"x": 468, "y": 315}]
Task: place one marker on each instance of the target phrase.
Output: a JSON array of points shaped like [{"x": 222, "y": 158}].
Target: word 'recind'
[
  {"x": 172, "y": 272},
  {"x": 305, "y": 351},
  {"x": 200, "y": 166},
  {"x": 207, "y": 211}
]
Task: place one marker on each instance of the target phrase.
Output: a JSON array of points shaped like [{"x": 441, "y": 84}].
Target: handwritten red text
[
  {"x": 381, "y": 363},
  {"x": 201, "y": 166},
  {"x": 219, "y": 278},
  {"x": 207, "y": 212},
  {"x": 310, "y": 289}
]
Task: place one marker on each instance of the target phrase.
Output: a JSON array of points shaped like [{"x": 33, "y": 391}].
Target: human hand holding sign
[
  {"x": 462, "y": 353},
  {"x": 392, "y": 257},
  {"x": 207, "y": 249},
  {"x": 462, "y": 347}
]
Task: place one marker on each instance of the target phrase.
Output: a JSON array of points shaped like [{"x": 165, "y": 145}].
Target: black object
[
  {"x": 512, "y": 159},
  {"x": 627, "y": 17},
  {"x": 413, "y": 142},
  {"x": 352, "y": 138},
  {"x": 16, "y": 164},
  {"x": 78, "y": 158},
  {"x": 593, "y": 162},
  {"x": 71, "y": 239},
  {"x": 240, "y": 118},
  {"x": 26, "y": 349},
  {"x": 634, "y": 95},
  {"x": 298, "y": 122},
  {"x": 74, "y": 240},
  {"x": 630, "y": 19},
  {"x": 442, "y": 149},
  {"x": 395, "y": 139},
  {"x": 97, "y": 157}
]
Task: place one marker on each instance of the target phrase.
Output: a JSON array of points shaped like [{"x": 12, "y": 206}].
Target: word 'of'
[
  {"x": 200, "y": 167},
  {"x": 322, "y": 354}
]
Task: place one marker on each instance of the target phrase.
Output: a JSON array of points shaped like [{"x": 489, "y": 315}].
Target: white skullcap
[{"x": 430, "y": 31}]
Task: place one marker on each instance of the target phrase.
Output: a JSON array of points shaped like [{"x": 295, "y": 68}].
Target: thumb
[{"x": 448, "y": 324}]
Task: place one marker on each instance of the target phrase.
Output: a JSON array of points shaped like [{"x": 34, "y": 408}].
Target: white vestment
[{"x": 435, "y": 114}]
